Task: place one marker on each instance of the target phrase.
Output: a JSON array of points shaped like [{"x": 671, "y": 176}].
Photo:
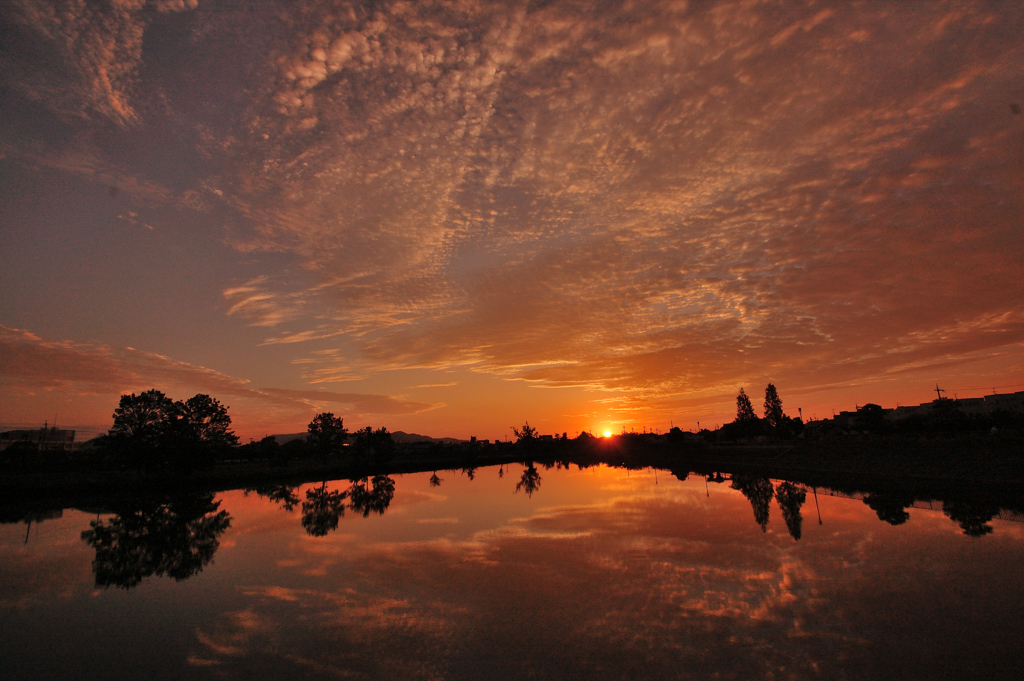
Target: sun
[{"x": 607, "y": 433}]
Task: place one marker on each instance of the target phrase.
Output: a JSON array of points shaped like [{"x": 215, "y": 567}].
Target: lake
[{"x": 594, "y": 573}]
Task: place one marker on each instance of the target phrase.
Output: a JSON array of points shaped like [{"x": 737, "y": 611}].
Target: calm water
[{"x": 597, "y": 574}]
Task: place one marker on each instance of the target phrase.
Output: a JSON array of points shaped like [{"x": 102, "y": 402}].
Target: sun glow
[{"x": 607, "y": 433}]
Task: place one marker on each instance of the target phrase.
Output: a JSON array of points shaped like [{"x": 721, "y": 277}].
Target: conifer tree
[
  {"x": 744, "y": 409},
  {"x": 773, "y": 407}
]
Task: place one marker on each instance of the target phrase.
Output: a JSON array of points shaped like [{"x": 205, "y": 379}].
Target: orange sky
[{"x": 448, "y": 218}]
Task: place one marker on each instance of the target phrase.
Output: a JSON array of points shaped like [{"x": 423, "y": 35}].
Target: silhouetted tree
[
  {"x": 530, "y": 480},
  {"x": 773, "y": 414},
  {"x": 526, "y": 433},
  {"x": 207, "y": 421},
  {"x": 435, "y": 481},
  {"x": 374, "y": 444},
  {"x": 151, "y": 430},
  {"x": 890, "y": 507},
  {"x": 176, "y": 538},
  {"x": 791, "y": 498},
  {"x": 366, "y": 499},
  {"x": 325, "y": 435},
  {"x": 142, "y": 425},
  {"x": 321, "y": 510},
  {"x": 744, "y": 409},
  {"x": 759, "y": 491},
  {"x": 526, "y": 437}
]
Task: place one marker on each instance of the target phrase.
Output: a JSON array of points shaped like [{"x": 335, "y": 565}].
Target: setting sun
[{"x": 607, "y": 433}]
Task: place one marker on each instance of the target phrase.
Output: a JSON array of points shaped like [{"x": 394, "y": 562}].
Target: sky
[{"x": 453, "y": 217}]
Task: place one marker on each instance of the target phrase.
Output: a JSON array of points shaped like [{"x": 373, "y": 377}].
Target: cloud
[
  {"x": 81, "y": 58},
  {"x": 28, "y": 362},
  {"x": 654, "y": 202},
  {"x": 362, "y": 403},
  {"x": 661, "y": 577},
  {"x": 664, "y": 200},
  {"x": 263, "y": 306}
]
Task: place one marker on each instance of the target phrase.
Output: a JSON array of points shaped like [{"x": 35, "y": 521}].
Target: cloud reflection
[{"x": 655, "y": 582}]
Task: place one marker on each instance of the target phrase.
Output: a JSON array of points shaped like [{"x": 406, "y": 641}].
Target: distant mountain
[
  {"x": 405, "y": 438},
  {"x": 398, "y": 436}
]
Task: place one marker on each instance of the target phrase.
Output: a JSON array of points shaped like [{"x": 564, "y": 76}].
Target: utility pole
[{"x": 938, "y": 392}]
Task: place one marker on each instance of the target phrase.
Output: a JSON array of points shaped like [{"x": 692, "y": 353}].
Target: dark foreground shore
[{"x": 991, "y": 466}]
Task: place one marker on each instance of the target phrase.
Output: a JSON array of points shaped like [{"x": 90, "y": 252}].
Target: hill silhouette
[{"x": 398, "y": 436}]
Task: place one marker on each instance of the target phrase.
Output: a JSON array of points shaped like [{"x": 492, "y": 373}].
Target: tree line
[
  {"x": 152, "y": 431},
  {"x": 775, "y": 422}
]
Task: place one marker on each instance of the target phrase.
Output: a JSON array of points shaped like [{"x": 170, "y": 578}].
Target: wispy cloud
[
  {"x": 362, "y": 403},
  {"x": 28, "y": 362}
]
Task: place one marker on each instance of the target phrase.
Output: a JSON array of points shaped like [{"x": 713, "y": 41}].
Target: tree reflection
[
  {"x": 759, "y": 492},
  {"x": 321, "y": 510},
  {"x": 972, "y": 517},
  {"x": 366, "y": 499},
  {"x": 890, "y": 506},
  {"x": 176, "y": 538},
  {"x": 791, "y": 497},
  {"x": 279, "y": 494},
  {"x": 435, "y": 481},
  {"x": 530, "y": 480}
]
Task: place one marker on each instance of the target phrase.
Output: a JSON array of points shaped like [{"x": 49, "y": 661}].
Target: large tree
[
  {"x": 204, "y": 420},
  {"x": 144, "y": 419},
  {"x": 143, "y": 424},
  {"x": 326, "y": 434}
]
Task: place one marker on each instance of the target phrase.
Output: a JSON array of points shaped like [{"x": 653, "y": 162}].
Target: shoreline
[{"x": 931, "y": 469}]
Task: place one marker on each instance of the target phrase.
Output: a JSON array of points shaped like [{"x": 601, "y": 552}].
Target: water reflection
[
  {"x": 890, "y": 507},
  {"x": 529, "y": 482},
  {"x": 372, "y": 496},
  {"x": 971, "y": 517},
  {"x": 603, "y": 573},
  {"x": 283, "y": 495},
  {"x": 791, "y": 497},
  {"x": 759, "y": 491},
  {"x": 176, "y": 537},
  {"x": 322, "y": 510}
]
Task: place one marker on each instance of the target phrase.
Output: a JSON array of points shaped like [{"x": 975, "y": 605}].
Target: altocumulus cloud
[{"x": 657, "y": 197}]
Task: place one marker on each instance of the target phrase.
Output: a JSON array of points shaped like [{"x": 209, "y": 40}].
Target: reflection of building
[{"x": 44, "y": 439}]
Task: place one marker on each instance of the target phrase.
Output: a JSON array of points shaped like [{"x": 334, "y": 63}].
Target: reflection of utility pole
[
  {"x": 816, "y": 504},
  {"x": 706, "y": 486}
]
